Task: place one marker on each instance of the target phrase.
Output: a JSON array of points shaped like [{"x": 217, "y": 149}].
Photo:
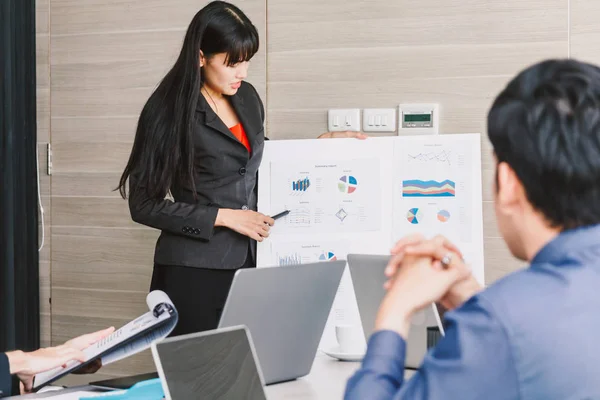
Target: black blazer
[{"x": 225, "y": 177}]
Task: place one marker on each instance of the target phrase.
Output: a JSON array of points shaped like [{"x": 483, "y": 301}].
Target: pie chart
[
  {"x": 414, "y": 216},
  {"x": 347, "y": 184},
  {"x": 443, "y": 215},
  {"x": 327, "y": 256}
]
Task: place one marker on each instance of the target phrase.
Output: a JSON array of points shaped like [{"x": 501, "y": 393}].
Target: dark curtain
[{"x": 19, "y": 267}]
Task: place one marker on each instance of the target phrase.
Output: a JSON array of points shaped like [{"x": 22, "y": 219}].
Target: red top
[{"x": 239, "y": 132}]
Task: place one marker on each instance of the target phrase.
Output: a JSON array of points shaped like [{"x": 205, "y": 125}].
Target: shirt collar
[{"x": 567, "y": 242}]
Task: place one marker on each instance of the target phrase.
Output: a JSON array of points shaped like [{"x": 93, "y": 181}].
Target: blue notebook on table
[{"x": 147, "y": 390}]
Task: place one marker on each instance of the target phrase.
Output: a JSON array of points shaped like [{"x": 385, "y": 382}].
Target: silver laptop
[
  {"x": 368, "y": 277},
  {"x": 285, "y": 309},
  {"x": 211, "y": 365}
]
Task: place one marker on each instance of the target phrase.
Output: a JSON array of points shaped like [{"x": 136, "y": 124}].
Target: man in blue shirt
[{"x": 533, "y": 334}]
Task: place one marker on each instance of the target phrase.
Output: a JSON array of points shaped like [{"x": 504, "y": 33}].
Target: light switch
[
  {"x": 343, "y": 119},
  {"x": 379, "y": 120}
]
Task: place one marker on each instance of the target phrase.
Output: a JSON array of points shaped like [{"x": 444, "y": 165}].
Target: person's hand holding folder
[
  {"x": 83, "y": 342},
  {"x": 26, "y": 365},
  {"x": 109, "y": 345}
]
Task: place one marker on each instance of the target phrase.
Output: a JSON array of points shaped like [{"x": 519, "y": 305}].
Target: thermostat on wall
[{"x": 418, "y": 119}]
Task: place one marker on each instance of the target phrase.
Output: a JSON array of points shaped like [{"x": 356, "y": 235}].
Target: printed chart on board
[
  {"x": 438, "y": 191},
  {"x": 350, "y": 196},
  {"x": 327, "y": 197}
]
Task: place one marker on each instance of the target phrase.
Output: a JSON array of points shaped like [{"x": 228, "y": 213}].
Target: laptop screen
[{"x": 217, "y": 364}]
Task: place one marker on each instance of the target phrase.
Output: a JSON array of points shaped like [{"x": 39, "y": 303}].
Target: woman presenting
[{"x": 200, "y": 136}]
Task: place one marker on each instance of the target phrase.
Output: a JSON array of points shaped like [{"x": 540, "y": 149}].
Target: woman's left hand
[{"x": 343, "y": 135}]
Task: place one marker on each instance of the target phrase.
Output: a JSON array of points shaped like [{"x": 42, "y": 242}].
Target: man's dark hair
[{"x": 546, "y": 125}]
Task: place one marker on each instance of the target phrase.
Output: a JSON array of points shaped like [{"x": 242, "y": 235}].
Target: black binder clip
[{"x": 161, "y": 308}]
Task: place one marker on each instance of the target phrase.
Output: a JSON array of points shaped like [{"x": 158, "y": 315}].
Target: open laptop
[
  {"x": 285, "y": 309},
  {"x": 210, "y": 365},
  {"x": 368, "y": 277}
]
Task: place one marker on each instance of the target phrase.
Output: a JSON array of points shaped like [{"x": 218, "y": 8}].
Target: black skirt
[{"x": 199, "y": 294}]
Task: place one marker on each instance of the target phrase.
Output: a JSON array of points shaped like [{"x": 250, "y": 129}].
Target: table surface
[{"x": 327, "y": 380}]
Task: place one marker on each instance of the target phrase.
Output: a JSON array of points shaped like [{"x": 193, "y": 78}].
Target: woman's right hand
[{"x": 246, "y": 222}]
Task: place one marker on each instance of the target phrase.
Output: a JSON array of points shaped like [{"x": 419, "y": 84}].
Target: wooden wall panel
[
  {"x": 100, "y": 258},
  {"x": 42, "y": 17},
  {"x": 120, "y": 305},
  {"x": 96, "y": 157},
  {"x": 70, "y": 17},
  {"x": 42, "y": 48},
  {"x": 43, "y": 112},
  {"x": 86, "y": 184},
  {"x": 108, "y": 212},
  {"x": 102, "y": 129},
  {"x": 585, "y": 31},
  {"x": 45, "y": 306}
]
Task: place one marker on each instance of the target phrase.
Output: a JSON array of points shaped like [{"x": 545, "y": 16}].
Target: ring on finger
[{"x": 446, "y": 260}]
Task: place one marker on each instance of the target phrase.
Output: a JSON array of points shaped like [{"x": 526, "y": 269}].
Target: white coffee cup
[{"x": 350, "y": 338}]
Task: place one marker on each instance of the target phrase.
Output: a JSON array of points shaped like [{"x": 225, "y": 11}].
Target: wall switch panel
[
  {"x": 379, "y": 120},
  {"x": 343, "y": 120}
]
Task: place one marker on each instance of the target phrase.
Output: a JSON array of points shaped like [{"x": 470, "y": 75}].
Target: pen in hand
[{"x": 280, "y": 215}]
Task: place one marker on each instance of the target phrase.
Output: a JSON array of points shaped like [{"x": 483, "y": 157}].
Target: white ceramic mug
[{"x": 350, "y": 338}]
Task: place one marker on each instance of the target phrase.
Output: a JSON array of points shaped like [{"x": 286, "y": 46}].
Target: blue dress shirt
[{"x": 532, "y": 335}]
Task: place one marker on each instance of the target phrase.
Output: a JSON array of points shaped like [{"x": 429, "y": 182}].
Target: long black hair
[{"x": 163, "y": 149}]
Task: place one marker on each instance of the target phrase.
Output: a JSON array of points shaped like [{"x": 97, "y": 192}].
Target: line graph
[
  {"x": 443, "y": 156},
  {"x": 299, "y": 216}
]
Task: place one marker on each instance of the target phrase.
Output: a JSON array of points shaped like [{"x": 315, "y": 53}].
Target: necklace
[{"x": 211, "y": 99}]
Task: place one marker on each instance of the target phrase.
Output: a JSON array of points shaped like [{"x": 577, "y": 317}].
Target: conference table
[{"x": 326, "y": 381}]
